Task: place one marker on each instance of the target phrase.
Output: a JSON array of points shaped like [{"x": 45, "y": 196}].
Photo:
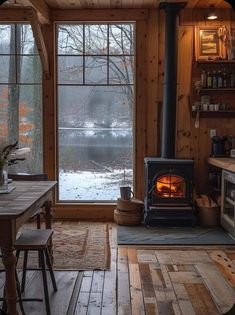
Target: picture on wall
[{"x": 208, "y": 44}]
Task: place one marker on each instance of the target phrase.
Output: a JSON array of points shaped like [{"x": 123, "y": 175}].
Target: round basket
[
  {"x": 127, "y": 218},
  {"x": 134, "y": 205}
]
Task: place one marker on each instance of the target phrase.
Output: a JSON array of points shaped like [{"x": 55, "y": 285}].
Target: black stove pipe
[{"x": 170, "y": 80}]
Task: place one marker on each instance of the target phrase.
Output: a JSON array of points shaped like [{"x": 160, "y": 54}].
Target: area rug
[
  {"x": 78, "y": 246},
  {"x": 139, "y": 235}
]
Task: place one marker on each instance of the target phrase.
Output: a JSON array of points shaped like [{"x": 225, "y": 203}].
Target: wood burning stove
[
  {"x": 169, "y": 192},
  {"x": 169, "y": 181}
]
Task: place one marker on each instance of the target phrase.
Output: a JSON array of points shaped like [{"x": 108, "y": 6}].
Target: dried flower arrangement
[{"x": 5, "y": 150}]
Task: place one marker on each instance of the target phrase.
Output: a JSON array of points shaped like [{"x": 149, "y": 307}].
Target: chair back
[{"x": 28, "y": 177}]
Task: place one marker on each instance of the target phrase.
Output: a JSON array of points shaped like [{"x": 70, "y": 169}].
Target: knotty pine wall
[
  {"x": 194, "y": 142},
  {"x": 191, "y": 142}
]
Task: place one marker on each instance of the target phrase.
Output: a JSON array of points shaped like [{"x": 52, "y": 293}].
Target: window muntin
[
  {"x": 21, "y": 94},
  {"x": 95, "y": 110}
]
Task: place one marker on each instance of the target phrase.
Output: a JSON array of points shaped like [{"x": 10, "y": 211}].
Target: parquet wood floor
[{"x": 144, "y": 280}]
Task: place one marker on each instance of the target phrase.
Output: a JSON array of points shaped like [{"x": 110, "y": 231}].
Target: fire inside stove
[{"x": 170, "y": 186}]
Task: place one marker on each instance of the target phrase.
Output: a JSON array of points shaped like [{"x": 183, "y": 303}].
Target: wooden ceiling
[{"x": 115, "y": 4}]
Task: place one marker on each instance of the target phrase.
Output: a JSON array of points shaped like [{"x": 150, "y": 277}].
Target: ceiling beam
[
  {"x": 42, "y": 10},
  {"x": 38, "y": 36}
]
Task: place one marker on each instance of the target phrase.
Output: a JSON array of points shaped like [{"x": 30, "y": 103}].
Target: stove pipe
[{"x": 170, "y": 80}]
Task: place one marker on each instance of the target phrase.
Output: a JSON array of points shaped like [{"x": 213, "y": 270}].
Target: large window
[
  {"x": 20, "y": 94},
  {"x": 95, "y": 65}
]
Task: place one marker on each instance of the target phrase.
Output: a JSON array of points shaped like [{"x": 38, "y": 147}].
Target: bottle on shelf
[
  {"x": 214, "y": 80},
  {"x": 209, "y": 79},
  {"x": 232, "y": 79},
  {"x": 225, "y": 79},
  {"x": 220, "y": 79},
  {"x": 204, "y": 79}
]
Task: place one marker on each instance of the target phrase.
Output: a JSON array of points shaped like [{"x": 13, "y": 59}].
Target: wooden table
[{"x": 15, "y": 209}]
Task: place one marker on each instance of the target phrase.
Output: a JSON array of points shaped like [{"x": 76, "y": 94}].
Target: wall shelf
[
  {"x": 215, "y": 113},
  {"x": 217, "y": 89},
  {"x": 214, "y": 62}
]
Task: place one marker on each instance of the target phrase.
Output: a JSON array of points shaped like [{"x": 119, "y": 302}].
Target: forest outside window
[
  {"x": 20, "y": 94},
  {"x": 95, "y": 76}
]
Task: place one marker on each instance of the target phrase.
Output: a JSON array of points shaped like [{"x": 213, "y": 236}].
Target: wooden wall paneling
[
  {"x": 203, "y": 153},
  {"x": 99, "y": 15},
  {"x": 161, "y": 58},
  {"x": 152, "y": 91},
  {"x": 115, "y": 4},
  {"x": 198, "y": 18},
  {"x": 49, "y": 113},
  {"x": 140, "y": 109},
  {"x": 186, "y": 17},
  {"x": 185, "y": 52},
  {"x": 13, "y": 15}
]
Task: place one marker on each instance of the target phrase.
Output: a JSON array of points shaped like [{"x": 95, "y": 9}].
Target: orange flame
[{"x": 170, "y": 186}]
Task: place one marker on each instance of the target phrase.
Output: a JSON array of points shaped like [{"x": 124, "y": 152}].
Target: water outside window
[{"x": 95, "y": 110}]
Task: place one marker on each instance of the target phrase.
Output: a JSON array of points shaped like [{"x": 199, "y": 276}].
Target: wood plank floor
[{"x": 143, "y": 280}]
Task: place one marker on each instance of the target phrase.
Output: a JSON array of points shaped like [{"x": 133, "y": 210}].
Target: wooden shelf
[
  {"x": 214, "y": 61},
  {"x": 215, "y": 113},
  {"x": 217, "y": 89}
]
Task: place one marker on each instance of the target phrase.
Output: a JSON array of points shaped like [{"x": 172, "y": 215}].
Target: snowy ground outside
[{"x": 92, "y": 186}]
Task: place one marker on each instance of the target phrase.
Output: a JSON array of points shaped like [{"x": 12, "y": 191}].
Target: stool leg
[
  {"x": 19, "y": 293},
  {"x": 44, "y": 277},
  {"x": 49, "y": 264},
  {"x": 17, "y": 255},
  {"x": 24, "y": 271}
]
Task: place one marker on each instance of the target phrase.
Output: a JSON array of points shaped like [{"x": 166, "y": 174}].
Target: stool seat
[{"x": 33, "y": 239}]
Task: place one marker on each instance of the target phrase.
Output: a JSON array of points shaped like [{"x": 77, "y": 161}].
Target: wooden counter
[{"x": 225, "y": 163}]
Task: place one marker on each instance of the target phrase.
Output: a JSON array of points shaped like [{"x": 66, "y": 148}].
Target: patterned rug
[{"x": 77, "y": 246}]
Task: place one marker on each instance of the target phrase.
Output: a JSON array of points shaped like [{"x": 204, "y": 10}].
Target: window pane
[
  {"x": 96, "y": 39},
  {"x": 95, "y": 142},
  {"x": 121, "y": 39},
  {"x": 7, "y": 69},
  {"x": 30, "y": 127},
  {"x": 70, "y": 70},
  {"x": 70, "y": 39},
  {"x": 121, "y": 70},
  {"x": 96, "y": 70},
  {"x": 7, "y": 39},
  {"x": 21, "y": 119},
  {"x": 25, "y": 35},
  {"x": 29, "y": 69}
]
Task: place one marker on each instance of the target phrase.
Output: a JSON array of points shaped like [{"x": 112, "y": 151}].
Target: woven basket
[
  {"x": 127, "y": 218},
  {"x": 134, "y": 205}
]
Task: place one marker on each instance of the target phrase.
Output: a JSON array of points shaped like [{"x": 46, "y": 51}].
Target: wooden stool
[{"x": 36, "y": 240}]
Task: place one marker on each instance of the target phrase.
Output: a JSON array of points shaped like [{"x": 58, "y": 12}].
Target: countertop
[{"x": 226, "y": 163}]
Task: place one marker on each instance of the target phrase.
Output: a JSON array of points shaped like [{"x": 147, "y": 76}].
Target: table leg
[
  {"x": 9, "y": 262},
  {"x": 48, "y": 221}
]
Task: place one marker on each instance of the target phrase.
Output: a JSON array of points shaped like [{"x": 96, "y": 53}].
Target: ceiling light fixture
[{"x": 212, "y": 16}]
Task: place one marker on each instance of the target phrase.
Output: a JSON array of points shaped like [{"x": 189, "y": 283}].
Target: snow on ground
[{"x": 92, "y": 186}]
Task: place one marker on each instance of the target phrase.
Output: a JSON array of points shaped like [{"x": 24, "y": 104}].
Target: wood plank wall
[
  {"x": 194, "y": 142},
  {"x": 191, "y": 142}
]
